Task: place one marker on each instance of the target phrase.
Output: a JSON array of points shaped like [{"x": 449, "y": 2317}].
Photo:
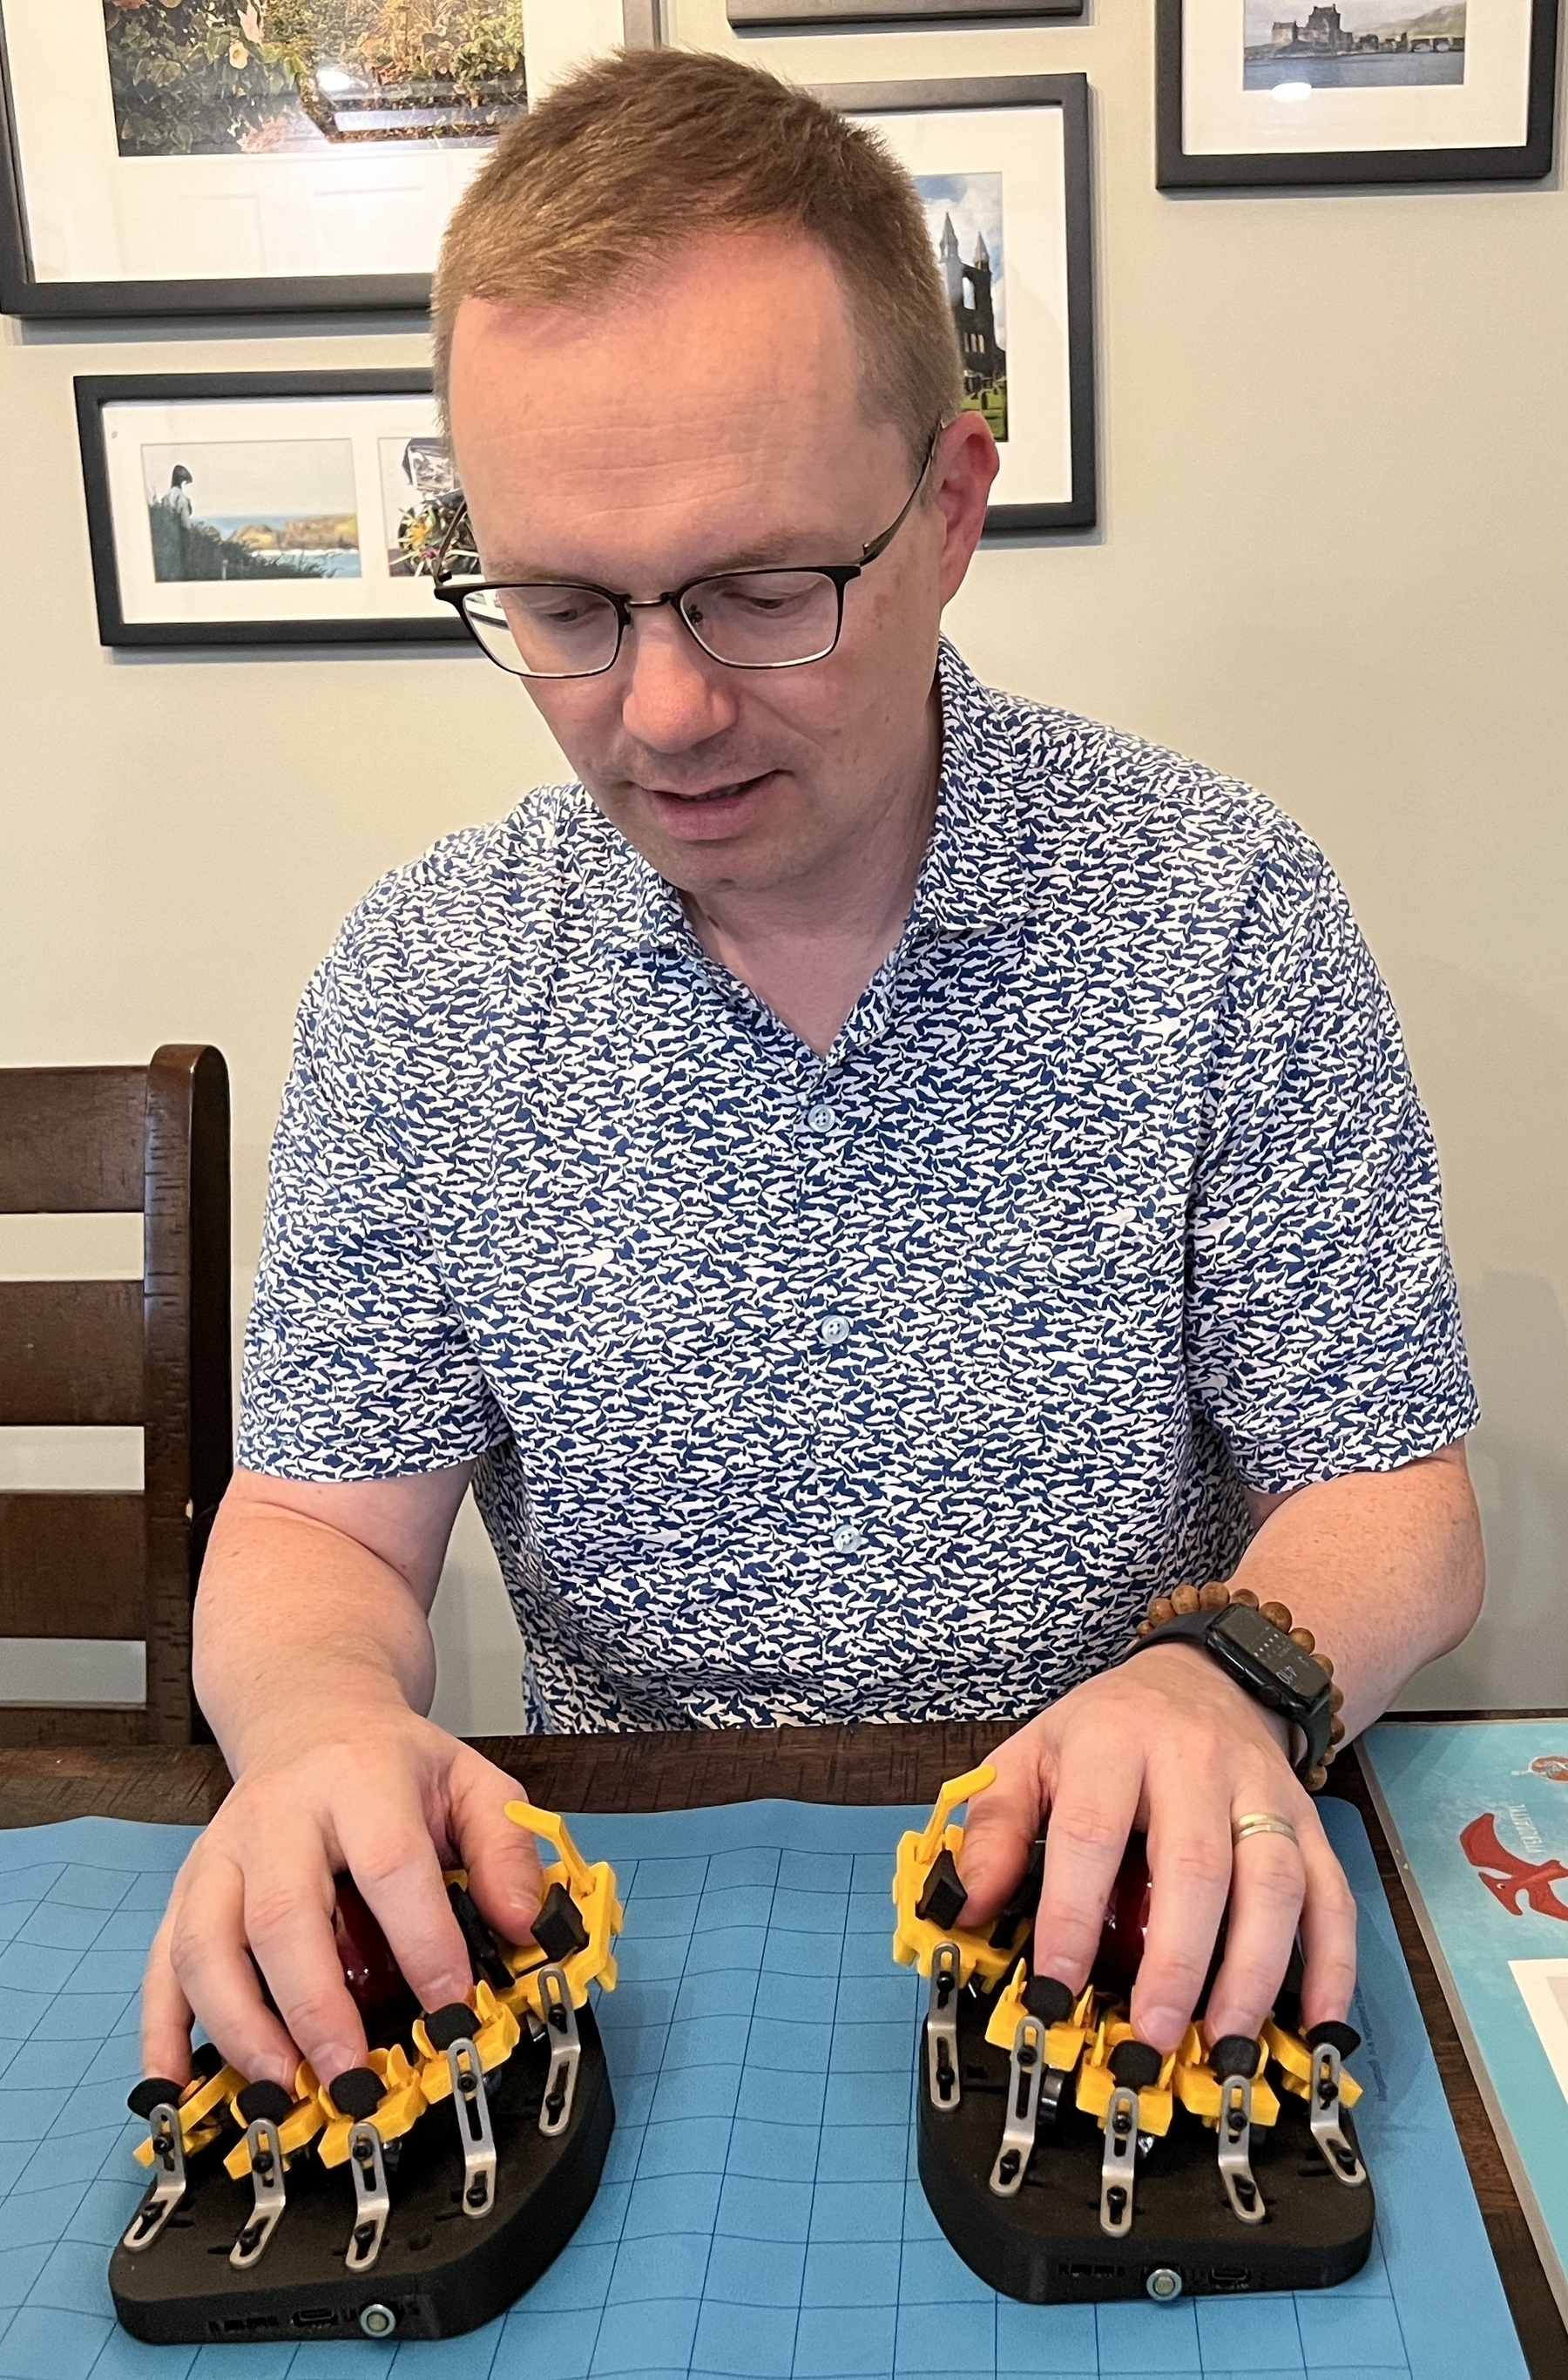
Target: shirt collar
[{"x": 978, "y": 871}]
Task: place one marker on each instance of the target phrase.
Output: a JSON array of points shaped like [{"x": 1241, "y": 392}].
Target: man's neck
[{"x": 808, "y": 948}]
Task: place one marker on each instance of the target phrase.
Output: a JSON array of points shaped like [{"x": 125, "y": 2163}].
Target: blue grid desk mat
[{"x": 760, "y": 2215}]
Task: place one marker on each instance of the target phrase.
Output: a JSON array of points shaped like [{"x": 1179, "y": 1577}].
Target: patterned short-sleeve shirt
[{"x": 882, "y": 1385}]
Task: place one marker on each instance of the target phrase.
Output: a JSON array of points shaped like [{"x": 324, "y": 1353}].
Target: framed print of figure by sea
[
  {"x": 1270, "y": 93},
  {"x": 806, "y": 15},
  {"x": 236, "y": 156},
  {"x": 1002, "y": 165},
  {"x": 265, "y": 508}
]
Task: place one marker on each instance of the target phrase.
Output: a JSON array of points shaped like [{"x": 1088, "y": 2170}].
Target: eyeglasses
[{"x": 748, "y": 619}]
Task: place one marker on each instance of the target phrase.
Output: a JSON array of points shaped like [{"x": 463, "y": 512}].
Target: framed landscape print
[
  {"x": 268, "y": 508},
  {"x": 1258, "y": 94},
  {"x": 802, "y": 16},
  {"x": 1002, "y": 165},
  {"x": 231, "y": 156}
]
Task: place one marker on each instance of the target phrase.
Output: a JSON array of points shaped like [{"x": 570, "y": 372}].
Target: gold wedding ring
[{"x": 1259, "y": 1822}]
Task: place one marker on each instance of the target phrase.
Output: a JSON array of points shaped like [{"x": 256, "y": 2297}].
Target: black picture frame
[
  {"x": 1070, "y": 93},
  {"x": 1338, "y": 168},
  {"x": 94, "y": 393},
  {"x": 23, "y": 294},
  {"x": 819, "y": 16}
]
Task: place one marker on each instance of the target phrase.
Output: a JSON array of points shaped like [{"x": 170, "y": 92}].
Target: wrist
[
  {"x": 1189, "y": 1664},
  {"x": 327, "y": 1713}
]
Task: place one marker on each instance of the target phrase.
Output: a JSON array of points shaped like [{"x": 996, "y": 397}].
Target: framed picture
[
  {"x": 236, "y": 156},
  {"x": 806, "y": 15},
  {"x": 1265, "y": 94},
  {"x": 1002, "y": 165},
  {"x": 266, "y": 509}
]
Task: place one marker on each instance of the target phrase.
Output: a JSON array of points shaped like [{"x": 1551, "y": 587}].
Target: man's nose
[{"x": 676, "y": 697}]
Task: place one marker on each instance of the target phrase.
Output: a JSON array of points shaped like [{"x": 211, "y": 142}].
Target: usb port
[{"x": 315, "y": 2318}]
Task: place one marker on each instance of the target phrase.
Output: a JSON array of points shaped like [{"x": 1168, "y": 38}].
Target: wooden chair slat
[
  {"x": 72, "y": 1564},
  {"x": 72, "y": 1723},
  {"x": 70, "y": 1352},
  {"x": 71, "y": 1139}
]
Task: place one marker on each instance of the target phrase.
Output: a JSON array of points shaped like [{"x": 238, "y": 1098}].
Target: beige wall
[{"x": 1334, "y": 559}]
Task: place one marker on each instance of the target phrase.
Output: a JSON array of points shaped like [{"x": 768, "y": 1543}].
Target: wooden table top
[{"x": 887, "y": 1764}]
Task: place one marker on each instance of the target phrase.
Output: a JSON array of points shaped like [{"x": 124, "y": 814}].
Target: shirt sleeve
[
  {"x": 356, "y": 1365},
  {"x": 1324, "y": 1334}
]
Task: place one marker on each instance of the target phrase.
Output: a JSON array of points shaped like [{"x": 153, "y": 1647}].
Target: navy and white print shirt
[{"x": 886, "y": 1385}]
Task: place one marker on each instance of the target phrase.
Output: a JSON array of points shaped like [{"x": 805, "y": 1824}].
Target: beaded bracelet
[{"x": 1214, "y": 1598}]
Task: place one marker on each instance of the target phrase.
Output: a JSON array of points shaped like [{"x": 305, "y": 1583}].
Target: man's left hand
[{"x": 1168, "y": 1745}]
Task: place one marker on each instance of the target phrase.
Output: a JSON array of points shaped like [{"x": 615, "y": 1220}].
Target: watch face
[{"x": 1268, "y": 1653}]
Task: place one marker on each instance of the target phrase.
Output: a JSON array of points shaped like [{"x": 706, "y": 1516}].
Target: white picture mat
[
  {"x": 1028, "y": 147},
  {"x": 375, "y": 595},
  {"x": 1543, "y": 1987},
  {"x": 1220, "y": 118},
  {"x": 95, "y": 215}
]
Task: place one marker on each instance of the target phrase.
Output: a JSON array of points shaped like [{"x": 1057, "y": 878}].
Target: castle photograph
[
  {"x": 964, "y": 214},
  {"x": 1350, "y": 44}
]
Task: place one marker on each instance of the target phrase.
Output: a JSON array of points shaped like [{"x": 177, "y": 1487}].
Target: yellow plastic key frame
[
  {"x": 1293, "y": 2060},
  {"x": 914, "y": 1938},
  {"x": 1196, "y": 2086},
  {"x": 1096, "y": 2081},
  {"x": 593, "y": 1887},
  {"x": 296, "y": 2131},
  {"x": 200, "y": 2112},
  {"x": 1064, "y": 2041},
  {"x": 403, "y": 2102},
  {"x": 496, "y": 2033}
]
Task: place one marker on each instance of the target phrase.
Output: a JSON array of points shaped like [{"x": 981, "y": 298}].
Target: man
[{"x": 872, "y": 1185}]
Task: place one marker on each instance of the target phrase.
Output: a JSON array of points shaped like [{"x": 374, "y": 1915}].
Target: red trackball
[
  {"x": 369, "y": 1967},
  {"x": 1122, "y": 1935}
]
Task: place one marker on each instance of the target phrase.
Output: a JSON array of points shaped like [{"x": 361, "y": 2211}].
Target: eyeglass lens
[{"x": 752, "y": 619}]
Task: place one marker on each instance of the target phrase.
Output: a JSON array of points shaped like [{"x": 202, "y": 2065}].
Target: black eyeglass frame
[{"x": 457, "y": 591}]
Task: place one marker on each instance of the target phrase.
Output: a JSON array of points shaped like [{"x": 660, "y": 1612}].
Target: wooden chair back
[{"x": 155, "y": 1141}]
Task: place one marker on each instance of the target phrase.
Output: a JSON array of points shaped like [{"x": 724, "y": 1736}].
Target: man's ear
[{"x": 964, "y": 464}]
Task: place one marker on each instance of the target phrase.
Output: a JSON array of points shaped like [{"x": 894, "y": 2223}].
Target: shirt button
[
  {"x": 833, "y": 1329},
  {"x": 820, "y": 1119},
  {"x": 846, "y": 1538}
]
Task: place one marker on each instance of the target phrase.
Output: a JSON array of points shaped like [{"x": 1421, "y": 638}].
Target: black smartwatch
[{"x": 1262, "y": 1660}]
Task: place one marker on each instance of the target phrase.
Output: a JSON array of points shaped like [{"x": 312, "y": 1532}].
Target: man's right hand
[{"x": 392, "y": 1799}]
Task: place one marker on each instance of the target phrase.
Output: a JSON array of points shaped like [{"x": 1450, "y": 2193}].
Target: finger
[
  {"x": 1189, "y": 1866},
  {"x": 1328, "y": 1934},
  {"x": 165, "y": 2013},
  {"x": 288, "y": 1904},
  {"x": 1268, "y": 1878},
  {"x": 388, "y": 1852},
  {"x": 999, "y": 1833},
  {"x": 502, "y": 1858},
  {"x": 1091, "y": 1817},
  {"x": 210, "y": 1959}
]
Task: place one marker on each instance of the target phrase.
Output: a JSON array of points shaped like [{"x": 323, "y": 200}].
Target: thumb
[
  {"x": 502, "y": 1859},
  {"x": 1003, "y": 1824}
]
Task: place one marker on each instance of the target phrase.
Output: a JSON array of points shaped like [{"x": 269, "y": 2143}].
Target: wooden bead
[
  {"x": 1324, "y": 1664},
  {"x": 1316, "y": 1779},
  {"x": 1215, "y": 1596},
  {"x": 1336, "y": 1732},
  {"x": 1244, "y": 1595},
  {"x": 1301, "y": 1637},
  {"x": 1278, "y": 1616},
  {"x": 1336, "y": 1698},
  {"x": 1185, "y": 1599},
  {"x": 1159, "y": 1610}
]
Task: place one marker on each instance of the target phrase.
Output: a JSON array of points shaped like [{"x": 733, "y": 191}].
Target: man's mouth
[{"x": 704, "y": 796}]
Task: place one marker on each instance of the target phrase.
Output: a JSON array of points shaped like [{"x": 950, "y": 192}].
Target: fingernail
[{"x": 1161, "y": 2027}]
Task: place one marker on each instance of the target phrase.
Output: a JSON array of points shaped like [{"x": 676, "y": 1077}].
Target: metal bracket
[
  {"x": 566, "y": 2050},
  {"x": 1023, "y": 2108},
  {"x": 373, "y": 2200},
  {"x": 941, "y": 2028},
  {"x": 472, "y": 2104},
  {"x": 1324, "y": 2107},
  {"x": 263, "y": 2145},
  {"x": 1235, "y": 2145},
  {"x": 168, "y": 2181},
  {"x": 1119, "y": 2162}
]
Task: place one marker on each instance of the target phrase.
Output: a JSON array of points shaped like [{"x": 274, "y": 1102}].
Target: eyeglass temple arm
[
  {"x": 459, "y": 520},
  {"x": 880, "y": 545}
]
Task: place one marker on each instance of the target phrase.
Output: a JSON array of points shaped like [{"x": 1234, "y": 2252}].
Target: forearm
[
  {"x": 295, "y": 1624},
  {"x": 1386, "y": 1569}
]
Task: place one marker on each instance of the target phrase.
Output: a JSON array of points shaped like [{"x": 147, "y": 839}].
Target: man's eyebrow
[{"x": 768, "y": 553}]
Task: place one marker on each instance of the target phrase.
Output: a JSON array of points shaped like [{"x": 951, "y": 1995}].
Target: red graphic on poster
[
  {"x": 1554, "y": 1765},
  {"x": 1506, "y": 1875}
]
